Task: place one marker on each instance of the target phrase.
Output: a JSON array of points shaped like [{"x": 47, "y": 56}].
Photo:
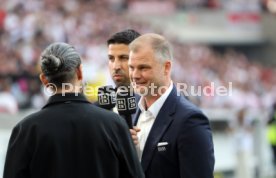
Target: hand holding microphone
[{"x": 133, "y": 133}]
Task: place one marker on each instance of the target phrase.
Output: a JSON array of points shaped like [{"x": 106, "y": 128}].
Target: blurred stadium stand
[{"x": 215, "y": 41}]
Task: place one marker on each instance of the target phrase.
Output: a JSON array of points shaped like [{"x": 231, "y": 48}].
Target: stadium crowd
[{"x": 27, "y": 27}]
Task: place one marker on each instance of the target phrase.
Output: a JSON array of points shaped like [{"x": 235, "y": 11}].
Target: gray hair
[
  {"x": 59, "y": 62},
  {"x": 161, "y": 47}
]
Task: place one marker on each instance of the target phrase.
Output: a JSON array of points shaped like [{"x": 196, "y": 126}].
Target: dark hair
[
  {"x": 59, "y": 62},
  {"x": 123, "y": 37}
]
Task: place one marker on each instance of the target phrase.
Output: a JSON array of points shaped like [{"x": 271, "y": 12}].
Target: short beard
[{"x": 119, "y": 84}]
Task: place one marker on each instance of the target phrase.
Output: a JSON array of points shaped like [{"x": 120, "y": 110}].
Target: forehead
[
  {"x": 118, "y": 48},
  {"x": 143, "y": 55}
]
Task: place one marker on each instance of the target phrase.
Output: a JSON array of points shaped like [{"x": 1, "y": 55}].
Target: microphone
[
  {"x": 126, "y": 104},
  {"x": 107, "y": 97}
]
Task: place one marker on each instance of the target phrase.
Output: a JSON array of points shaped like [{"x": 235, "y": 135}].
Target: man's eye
[{"x": 124, "y": 58}]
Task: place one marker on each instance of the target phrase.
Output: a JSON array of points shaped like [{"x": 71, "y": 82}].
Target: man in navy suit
[{"x": 173, "y": 137}]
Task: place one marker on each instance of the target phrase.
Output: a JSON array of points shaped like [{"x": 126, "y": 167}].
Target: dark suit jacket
[
  {"x": 71, "y": 138},
  {"x": 189, "y": 151}
]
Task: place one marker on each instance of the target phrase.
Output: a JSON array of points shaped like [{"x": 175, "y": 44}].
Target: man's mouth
[
  {"x": 117, "y": 76},
  {"x": 140, "y": 83}
]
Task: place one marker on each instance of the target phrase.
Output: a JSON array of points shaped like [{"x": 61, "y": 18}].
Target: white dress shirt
[{"x": 147, "y": 118}]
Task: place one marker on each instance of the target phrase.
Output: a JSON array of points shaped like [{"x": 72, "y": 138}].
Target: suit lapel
[
  {"x": 136, "y": 115},
  {"x": 162, "y": 121}
]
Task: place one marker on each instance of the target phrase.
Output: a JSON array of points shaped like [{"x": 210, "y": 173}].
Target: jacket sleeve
[
  {"x": 130, "y": 166},
  {"x": 17, "y": 157},
  {"x": 272, "y": 118},
  {"x": 195, "y": 150}
]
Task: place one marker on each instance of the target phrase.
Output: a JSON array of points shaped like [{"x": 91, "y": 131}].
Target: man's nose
[
  {"x": 135, "y": 74},
  {"x": 117, "y": 64}
]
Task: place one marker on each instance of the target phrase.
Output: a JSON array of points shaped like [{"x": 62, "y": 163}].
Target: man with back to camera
[
  {"x": 69, "y": 137},
  {"x": 175, "y": 139}
]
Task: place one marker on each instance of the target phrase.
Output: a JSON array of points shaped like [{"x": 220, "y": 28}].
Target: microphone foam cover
[
  {"x": 107, "y": 97},
  {"x": 126, "y": 102}
]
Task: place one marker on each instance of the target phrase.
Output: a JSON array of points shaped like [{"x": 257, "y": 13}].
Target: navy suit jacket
[{"x": 187, "y": 150}]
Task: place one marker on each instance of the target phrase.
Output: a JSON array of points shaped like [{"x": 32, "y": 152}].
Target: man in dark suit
[
  {"x": 175, "y": 139},
  {"x": 70, "y": 137}
]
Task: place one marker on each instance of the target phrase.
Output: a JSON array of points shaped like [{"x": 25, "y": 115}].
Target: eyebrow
[
  {"x": 139, "y": 66},
  {"x": 143, "y": 65},
  {"x": 122, "y": 55}
]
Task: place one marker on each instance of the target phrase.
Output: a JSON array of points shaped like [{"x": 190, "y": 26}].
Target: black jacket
[{"x": 71, "y": 138}]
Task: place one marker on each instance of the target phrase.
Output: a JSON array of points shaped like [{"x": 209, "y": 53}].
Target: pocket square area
[
  {"x": 161, "y": 148},
  {"x": 162, "y": 143}
]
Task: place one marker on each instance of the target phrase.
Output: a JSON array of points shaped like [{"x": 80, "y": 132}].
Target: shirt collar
[
  {"x": 66, "y": 98},
  {"x": 156, "y": 106}
]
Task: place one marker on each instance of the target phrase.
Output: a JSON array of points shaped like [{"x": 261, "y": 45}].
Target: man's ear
[
  {"x": 43, "y": 79},
  {"x": 167, "y": 66},
  {"x": 79, "y": 72}
]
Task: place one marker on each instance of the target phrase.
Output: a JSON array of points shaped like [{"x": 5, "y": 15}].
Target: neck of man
[
  {"x": 124, "y": 85},
  {"x": 73, "y": 87}
]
